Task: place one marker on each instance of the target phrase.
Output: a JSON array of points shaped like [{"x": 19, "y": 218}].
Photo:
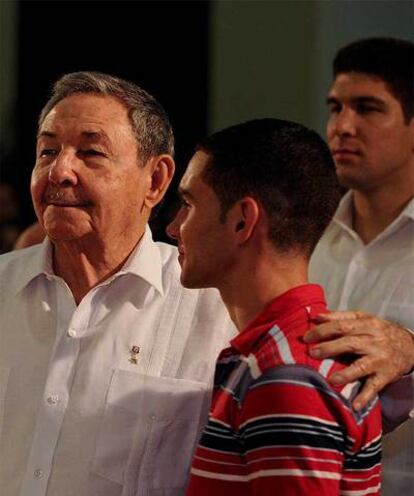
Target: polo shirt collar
[{"x": 306, "y": 296}]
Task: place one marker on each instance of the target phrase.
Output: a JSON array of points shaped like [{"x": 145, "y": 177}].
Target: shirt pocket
[
  {"x": 4, "y": 378},
  {"x": 148, "y": 432}
]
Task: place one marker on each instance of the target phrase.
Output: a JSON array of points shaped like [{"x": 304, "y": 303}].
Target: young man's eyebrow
[
  {"x": 370, "y": 99},
  {"x": 358, "y": 99},
  {"x": 184, "y": 192}
]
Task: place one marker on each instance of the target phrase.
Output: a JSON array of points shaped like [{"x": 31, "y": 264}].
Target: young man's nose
[
  {"x": 344, "y": 123},
  {"x": 173, "y": 228}
]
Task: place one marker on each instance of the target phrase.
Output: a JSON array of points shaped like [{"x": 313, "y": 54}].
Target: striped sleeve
[{"x": 301, "y": 437}]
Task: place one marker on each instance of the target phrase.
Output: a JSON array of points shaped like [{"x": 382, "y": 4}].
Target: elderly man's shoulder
[
  {"x": 19, "y": 257},
  {"x": 13, "y": 262},
  {"x": 17, "y": 268}
]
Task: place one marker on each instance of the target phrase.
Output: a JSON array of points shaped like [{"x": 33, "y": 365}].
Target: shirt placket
[
  {"x": 353, "y": 275},
  {"x": 55, "y": 397}
]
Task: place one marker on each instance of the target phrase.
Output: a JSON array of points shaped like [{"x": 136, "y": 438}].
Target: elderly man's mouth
[{"x": 67, "y": 204}]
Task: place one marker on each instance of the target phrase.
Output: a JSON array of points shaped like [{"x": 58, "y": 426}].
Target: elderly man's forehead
[
  {"x": 84, "y": 105},
  {"x": 88, "y": 136},
  {"x": 95, "y": 118}
]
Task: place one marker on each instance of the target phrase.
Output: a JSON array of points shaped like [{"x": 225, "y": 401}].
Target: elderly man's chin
[
  {"x": 63, "y": 231},
  {"x": 65, "y": 224}
]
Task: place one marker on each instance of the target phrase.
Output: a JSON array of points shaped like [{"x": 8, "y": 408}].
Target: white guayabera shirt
[
  {"x": 105, "y": 398},
  {"x": 377, "y": 278}
]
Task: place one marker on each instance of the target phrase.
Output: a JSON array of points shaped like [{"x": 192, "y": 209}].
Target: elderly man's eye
[
  {"x": 46, "y": 152},
  {"x": 92, "y": 152}
]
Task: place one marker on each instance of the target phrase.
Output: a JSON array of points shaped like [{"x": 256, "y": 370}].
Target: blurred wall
[
  {"x": 261, "y": 60},
  {"x": 8, "y": 79},
  {"x": 273, "y": 58},
  {"x": 160, "y": 45}
]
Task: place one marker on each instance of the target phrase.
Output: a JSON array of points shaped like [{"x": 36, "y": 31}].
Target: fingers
[
  {"x": 345, "y": 324},
  {"x": 375, "y": 382},
  {"x": 322, "y": 332},
  {"x": 371, "y": 388},
  {"x": 347, "y": 315},
  {"x": 334, "y": 348},
  {"x": 384, "y": 350},
  {"x": 333, "y": 329},
  {"x": 357, "y": 370}
]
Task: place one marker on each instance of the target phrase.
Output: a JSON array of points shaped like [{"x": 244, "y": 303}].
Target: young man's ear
[
  {"x": 245, "y": 218},
  {"x": 162, "y": 169}
]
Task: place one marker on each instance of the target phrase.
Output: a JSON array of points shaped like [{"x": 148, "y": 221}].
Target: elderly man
[
  {"x": 365, "y": 259},
  {"x": 105, "y": 361}
]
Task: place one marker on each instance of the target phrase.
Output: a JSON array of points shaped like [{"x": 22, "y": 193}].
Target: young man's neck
[
  {"x": 375, "y": 210},
  {"x": 256, "y": 284}
]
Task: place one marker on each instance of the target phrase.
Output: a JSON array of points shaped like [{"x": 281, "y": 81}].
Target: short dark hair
[
  {"x": 287, "y": 167},
  {"x": 148, "y": 119},
  {"x": 389, "y": 59}
]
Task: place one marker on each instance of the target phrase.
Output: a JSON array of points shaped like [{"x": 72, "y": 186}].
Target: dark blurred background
[
  {"x": 162, "y": 46},
  {"x": 210, "y": 63}
]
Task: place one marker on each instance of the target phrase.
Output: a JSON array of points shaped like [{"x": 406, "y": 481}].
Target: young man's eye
[
  {"x": 367, "y": 109},
  {"x": 334, "y": 108},
  {"x": 184, "y": 203}
]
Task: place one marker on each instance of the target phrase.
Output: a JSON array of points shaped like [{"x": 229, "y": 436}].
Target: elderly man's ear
[{"x": 162, "y": 169}]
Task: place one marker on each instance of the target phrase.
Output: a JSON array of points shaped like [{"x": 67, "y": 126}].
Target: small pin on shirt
[{"x": 134, "y": 352}]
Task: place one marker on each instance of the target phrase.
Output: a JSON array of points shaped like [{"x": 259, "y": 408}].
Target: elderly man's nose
[{"x": 62, "y": 169}]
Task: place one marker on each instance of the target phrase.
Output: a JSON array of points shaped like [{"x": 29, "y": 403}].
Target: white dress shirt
[
  {"x": 377, "y": 278},
  {"x": 82, "y": 412}
]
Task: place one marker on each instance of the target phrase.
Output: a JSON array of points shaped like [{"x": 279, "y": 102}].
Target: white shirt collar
[
  {"x": 343, "y": 215},
  {"x": 144, "y": 262}
]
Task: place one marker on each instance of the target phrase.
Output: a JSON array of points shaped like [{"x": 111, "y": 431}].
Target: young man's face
[
  {"x": 370, "y": 142},
  {"x": 204, "y": 242}
]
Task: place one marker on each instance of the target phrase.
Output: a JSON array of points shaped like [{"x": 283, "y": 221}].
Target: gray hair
[{"x": 148, "y": 119}]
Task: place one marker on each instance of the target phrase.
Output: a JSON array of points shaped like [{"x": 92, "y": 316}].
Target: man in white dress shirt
[
  {"x": 365, "y": 260},
  {"x": 105, "y": 360}
]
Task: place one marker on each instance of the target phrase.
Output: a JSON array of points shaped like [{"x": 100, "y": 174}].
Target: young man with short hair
[
  {"x": 365, "y": 259},
  {"x": 256, "y": 198}
]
